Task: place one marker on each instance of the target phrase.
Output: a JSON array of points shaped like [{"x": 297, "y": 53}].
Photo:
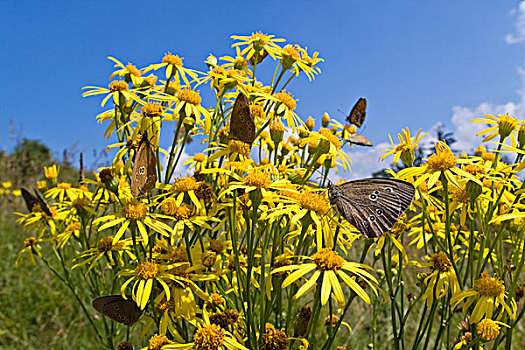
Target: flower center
[
  {"x": 330, "y": 137},
  {"x": 118, "y": 85},
  {"x": 63, "y": 185},
  {"x": 28, "y": 242},
  {"x": 133, "y": 70},
  {"x": 326, "y": 259},
  {"x": 147, "y": 270},
  {"x": 169, "y": 206},
  {"x": 157, "y": 341},
  {"x": 209, "y": 338},
  {"x": 273, "y": 339},
  {"x": 105, "y": 244},
  {"x": 152, "y": 110},
  {"x": 441, "y": 262},
  {"x": 460, "y": 194},
  {"x": 257, "y": 179},
  {"x": 487, "y": 329},
  {"x": 443, "y": 159},
  {"x": 185, "y": 184},
  {"x": 489, "y": 286},
  {"x": 507, "y": 124},
  {"x": 240, "y": 147},
  {"x": 135, "y": 210},
  {"x": 287, "y": 99},
  {"x": 172, "y": 59},
  {"x": 314, "y": 202},
  {"x": 190, "y": 96}
]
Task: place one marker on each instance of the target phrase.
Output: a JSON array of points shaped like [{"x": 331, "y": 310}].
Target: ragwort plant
[{"x": 246, "y": 252}]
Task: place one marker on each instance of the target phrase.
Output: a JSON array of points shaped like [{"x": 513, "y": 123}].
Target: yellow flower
[
  {"x": 405, "y": 149},
  {"x": 327, "y": 266},
  {"x": 488, "y": 330},
  {"x": 329, "y": 145},
  {"x": 307, "y": 64},
  {"x": 488, "y": 293},
  {"x": 273, "y": 339},
  {"x": 174, "y": 68},
  {"x": 103, "y": 249},
  {"x": 136, "y": 214},
  {"x": 129, "y": 72},
  {"x": 443, "y": 162},
  {"x": 31, "y": 248},
  {"x": 63, "y": 189},
  {"x": 441, "y": 279},
  {"x": 257, "y": 42},
  {"x": 51, "y": 173},
  {"x": 505, "y": 125}
]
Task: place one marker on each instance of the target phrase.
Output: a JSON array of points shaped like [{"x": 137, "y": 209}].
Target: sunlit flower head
[
  {"x": 405, "y": 149},
  {"x": 256, "y": 43},
  {"x": 504, "y": 125},
  {"x": 488, "y": 293},
  {"x": 442, "y": 278}
]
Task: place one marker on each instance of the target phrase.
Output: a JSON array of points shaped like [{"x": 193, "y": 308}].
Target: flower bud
[
  {"x": 325, "y": 120},
  {"x": 473, "y": 191}
]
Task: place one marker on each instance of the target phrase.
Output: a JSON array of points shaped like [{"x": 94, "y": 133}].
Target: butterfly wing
[
  {"x": 42, "y": 202},
  {"x": 358, "y": 113},
  {"x": 29, "y": 198},
  {"x": 358, "y": 139},
  {"x": 117, "y": 308},
  {"x": 242, "y": 124},
  {"x": 144, "y": 174},
  {"x": 372, "y": 206}
]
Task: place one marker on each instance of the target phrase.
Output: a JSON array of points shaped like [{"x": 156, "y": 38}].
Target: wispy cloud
[{"x": 519, "y": 36}]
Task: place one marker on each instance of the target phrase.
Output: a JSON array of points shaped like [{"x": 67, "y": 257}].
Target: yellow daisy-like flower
[
  {"x": 129, "y": 72},
  {"x": 63, "y": 189},
  {"x": 31, "y": 248},
  {"x": 174, "y": 68},
  {"x": 329, "y": 144},
  {"x": 405, "y": 149},
  {"x": 51, "y": 173},
  {"x": 442, "y": 278},
  {"x": 443, "y": 162},
  {"x": 504, "y": 126},
  {"x": 210, "y": 336},
  {"x": 144, "y": 275},
  {"x": 488, "y": 293},
  {"x": 258, "y": 42},
  {"x": 104, "y": 248},
  {"x": 308, "y": 64},
  {"x": 189, "y": 101},
  {"x": 327, "y": 266},
  {"x": 488, "y": 329},
  {"x": 134, "y": 213}
]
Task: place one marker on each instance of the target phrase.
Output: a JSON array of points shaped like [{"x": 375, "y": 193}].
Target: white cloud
[
  {"x": 180, "y": 169},
  {"x": 364, "y": 163},
  {"x": 519, "y": 36}
]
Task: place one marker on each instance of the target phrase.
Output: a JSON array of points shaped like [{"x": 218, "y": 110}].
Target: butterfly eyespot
[
  {"x": 372, "y": 197},
  {"x": 376, "y": 192},
  {"x": 372, "y": 218},
  {"x": 142, "y": 170},
  {"x": 388, "y": 189},
  {"x": 379, "y": 211}
]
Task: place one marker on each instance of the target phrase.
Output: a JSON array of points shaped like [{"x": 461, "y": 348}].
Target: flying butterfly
[
  {"x": 35, "y": 199},
  {"x": 372, "y": 206},
  {"x": 358, "y": 139},
  {"x": 144, "y": 174},
  {"x": 118, "y": 309},
  {"x": 242, "y": 124},
  {"x": 358, "y": 113}
]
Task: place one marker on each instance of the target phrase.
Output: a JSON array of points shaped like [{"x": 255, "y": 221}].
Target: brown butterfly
[
  {"x": 242, "y": 124},
  {"x": 358, "y": 139},
  {"x": 118, "y": 309},
  {"x": 35, "y": 199},
  {"x": 144, "y": 174},
  {"x": 358, "y": 113},
  {"x": 372, "y": 206}
]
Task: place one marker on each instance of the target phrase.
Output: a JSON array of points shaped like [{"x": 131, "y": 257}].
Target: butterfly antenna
[{"x": 340, "y": 111}]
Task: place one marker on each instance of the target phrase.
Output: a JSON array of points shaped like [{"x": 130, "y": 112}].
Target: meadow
[{"x": 247, "y": 249}]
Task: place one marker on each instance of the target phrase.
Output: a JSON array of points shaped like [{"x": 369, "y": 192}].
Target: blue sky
[{"x": 417, "y": 63}]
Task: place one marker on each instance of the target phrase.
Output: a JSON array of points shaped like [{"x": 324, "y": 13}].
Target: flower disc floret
[
  {"x": 240, "y": 147},
  {"x": 185, "y": 184},
  {"x": 169, "y": 206},
  {"x": 287, "y": 99},
  {"x": 172, "y": 59},
  {"x": 156, "y": 342},
  {"x": 118, "y": 85},
  {"x": 105, "y": 244},
  {"x": 443, "y": 159},
  {"x": 314, "y": 202},
  {"x": 135, "y": 210},
  {"x": 190, "y": 96},
  {"x": 507, "y": 124},
  {"x": 327, "y": 259},
  {"x": 257, "y": 179},
  {"x": 330, "y": 137},
  {"x": 209, "y": 338},
  {"x": 147, "y": 270},
  {"x": 152, "y": 110},
  {"x": 487, "y": 329},
  {"x": 273, "y": 339},
  {"x": 489, "y": 286},
  {"x": 441, "y": 262}
]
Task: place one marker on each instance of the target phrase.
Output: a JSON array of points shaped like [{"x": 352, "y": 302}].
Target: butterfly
[
  {"x": 144, "y": 174},
  {"x": 118, "y": 309},
  {"x": 35, "y": 199},
  {"x": 372, "y": 206},
  {"x": 358, "y": 113},
  {"x": 242, "y": 124},
  {"x": 358, "y": 139}
]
